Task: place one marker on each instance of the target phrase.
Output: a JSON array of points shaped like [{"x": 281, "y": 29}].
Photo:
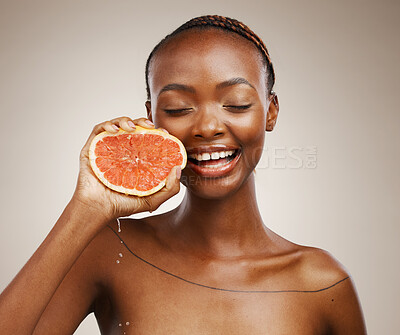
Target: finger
[
  {"x": 124, "y": 123},
  {"x": 171, "y": 188},
  {"x": 110, "y": 127},
  {"x": 145, "y": 123},
  {"x": 164, "y": 130}
]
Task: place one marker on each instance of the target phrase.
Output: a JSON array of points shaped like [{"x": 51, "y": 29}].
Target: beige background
[{"x": 67, "y": 65}]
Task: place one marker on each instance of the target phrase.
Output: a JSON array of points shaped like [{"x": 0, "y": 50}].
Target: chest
[{"x": 145, "y": 299}]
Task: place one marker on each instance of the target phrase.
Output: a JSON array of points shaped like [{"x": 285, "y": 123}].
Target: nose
[{"x": 208, "y": 124}]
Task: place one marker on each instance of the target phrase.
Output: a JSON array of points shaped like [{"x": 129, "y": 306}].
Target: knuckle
[
  {"x": 96, "y": 127},
  {"x": 100, "y": 125},
  {"x": 175, "y": 189},
  {"x": 120, "y": 119},
  {"x": 136, "y": 121},
  {"x": 155, "y": 206},
  {"x": 148, "y": 203}
]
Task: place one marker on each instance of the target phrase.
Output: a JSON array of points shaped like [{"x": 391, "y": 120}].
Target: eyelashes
[
  {"x": 185, "y": 110},
  {"x": 176, "y": 111},
  {"x": 238, "y": 107}
]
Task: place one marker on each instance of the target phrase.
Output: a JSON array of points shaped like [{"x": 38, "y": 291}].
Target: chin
[{"x": 212, "y": 188}]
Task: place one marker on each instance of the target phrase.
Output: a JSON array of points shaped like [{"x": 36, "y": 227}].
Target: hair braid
[{"x": 224, "y": 23}]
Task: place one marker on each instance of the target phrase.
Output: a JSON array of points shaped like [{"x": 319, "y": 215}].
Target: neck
[{"x": 228, "y": 227}]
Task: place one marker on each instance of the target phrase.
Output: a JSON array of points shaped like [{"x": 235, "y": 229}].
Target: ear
[
  {"x": 148, "y": 108},
  {"x": 273, "y": 110}
]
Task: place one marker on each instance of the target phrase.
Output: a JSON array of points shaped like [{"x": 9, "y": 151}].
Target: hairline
[{"x": 169, "y": 38}]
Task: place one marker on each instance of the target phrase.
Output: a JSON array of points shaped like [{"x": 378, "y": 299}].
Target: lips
[{"x": 213, "y": 161}]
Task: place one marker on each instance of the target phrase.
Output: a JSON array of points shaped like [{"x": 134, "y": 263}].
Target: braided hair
[{"x": 223, "y": 23}]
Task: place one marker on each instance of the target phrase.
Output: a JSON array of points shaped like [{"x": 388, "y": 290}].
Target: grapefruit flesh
[{"x": 135, "y": 163}]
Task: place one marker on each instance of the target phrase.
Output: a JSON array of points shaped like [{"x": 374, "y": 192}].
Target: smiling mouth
[
  {"x": 213, "y": 159},
  {"x": 213, "y": 163}
]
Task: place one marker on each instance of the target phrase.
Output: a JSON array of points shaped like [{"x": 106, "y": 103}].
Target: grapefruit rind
[{"x": 139, "y": 130}]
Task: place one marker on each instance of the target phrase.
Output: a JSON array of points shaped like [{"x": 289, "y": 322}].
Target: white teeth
[
  {"x": 214, "y": 155},
  {"x": 215, "y": 166}
]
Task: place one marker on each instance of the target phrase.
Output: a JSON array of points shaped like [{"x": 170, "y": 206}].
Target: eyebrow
[
  {"x": 234, "y": 81},
  {"x": 190, "y": 89},
  {"x": 177, "y": 87}
]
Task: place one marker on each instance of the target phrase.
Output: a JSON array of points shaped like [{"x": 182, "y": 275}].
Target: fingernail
[
  {"x": 115, "y": 127},
  {"x": 149, "y": 122},
  {"x": 178, "y": 172},
  {"x": 131, "y": 124}
]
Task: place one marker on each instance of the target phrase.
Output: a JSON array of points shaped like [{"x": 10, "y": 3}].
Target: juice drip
[
  {"x": 119, "y": 226},
  {"x": 127, "y": 323}
]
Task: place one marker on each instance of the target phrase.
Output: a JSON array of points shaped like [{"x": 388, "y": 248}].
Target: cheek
[
  {"x": 176, "y": 128},
  {"x": 249, "y": 132},
  {"x": 253, "y": 146},
  {"x": 175, "y": 125}
]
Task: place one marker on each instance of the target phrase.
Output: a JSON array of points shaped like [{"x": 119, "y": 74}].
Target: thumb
[{"x": 171, "y": 188}]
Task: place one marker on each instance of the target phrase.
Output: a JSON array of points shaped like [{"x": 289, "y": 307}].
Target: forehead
[{"x": 206, "y": 56}]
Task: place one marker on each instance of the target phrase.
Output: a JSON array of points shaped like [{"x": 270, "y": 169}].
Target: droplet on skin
[
  {"x": 120, "y": 254},
  {"x": 122, "y": 242},
  {"x": 127, "y": 323},
  {"x": 117, "y": 261},
  {"x": 120, "y": 325}
]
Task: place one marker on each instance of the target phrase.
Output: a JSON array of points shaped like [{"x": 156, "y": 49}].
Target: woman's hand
[{"x": 94, "y": 195}]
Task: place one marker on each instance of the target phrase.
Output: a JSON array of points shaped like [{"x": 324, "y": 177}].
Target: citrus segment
[{"x": 136, "y": 163}]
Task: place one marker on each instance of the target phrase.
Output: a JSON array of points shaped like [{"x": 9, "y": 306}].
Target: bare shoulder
[
  {"x": 321, "y": 269},
  {"x": 335, "y": 289},
  {"x": 139, "y": 234},
  {"x": 102, "y": 252},
  {"x": 110, "y": 237}
]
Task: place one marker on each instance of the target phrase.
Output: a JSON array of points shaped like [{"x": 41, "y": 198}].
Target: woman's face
[{"x": 208, "y": 88}]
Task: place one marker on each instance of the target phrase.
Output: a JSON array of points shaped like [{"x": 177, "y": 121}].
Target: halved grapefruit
[{"x": 135, "y": 163}]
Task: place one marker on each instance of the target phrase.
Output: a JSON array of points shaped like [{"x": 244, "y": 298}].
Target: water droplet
[
  {"x": 120, "y": 254},
  {"x": 127, "y": 323},
  {"x": 122, "y": 241},
  {"x": 120, "y": 325},
  {"x": 117, "y": 261}
]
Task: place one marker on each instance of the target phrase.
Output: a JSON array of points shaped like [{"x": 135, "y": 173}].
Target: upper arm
[
  {"x": 74, "y": 298},
  {"x": 344, "y": 310},
  {"x": 339, "y": 302}
]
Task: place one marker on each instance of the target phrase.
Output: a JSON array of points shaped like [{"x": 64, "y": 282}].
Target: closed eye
[
  {"x": 176, "y": 111},
  {"x": 238, "y": 107}
]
